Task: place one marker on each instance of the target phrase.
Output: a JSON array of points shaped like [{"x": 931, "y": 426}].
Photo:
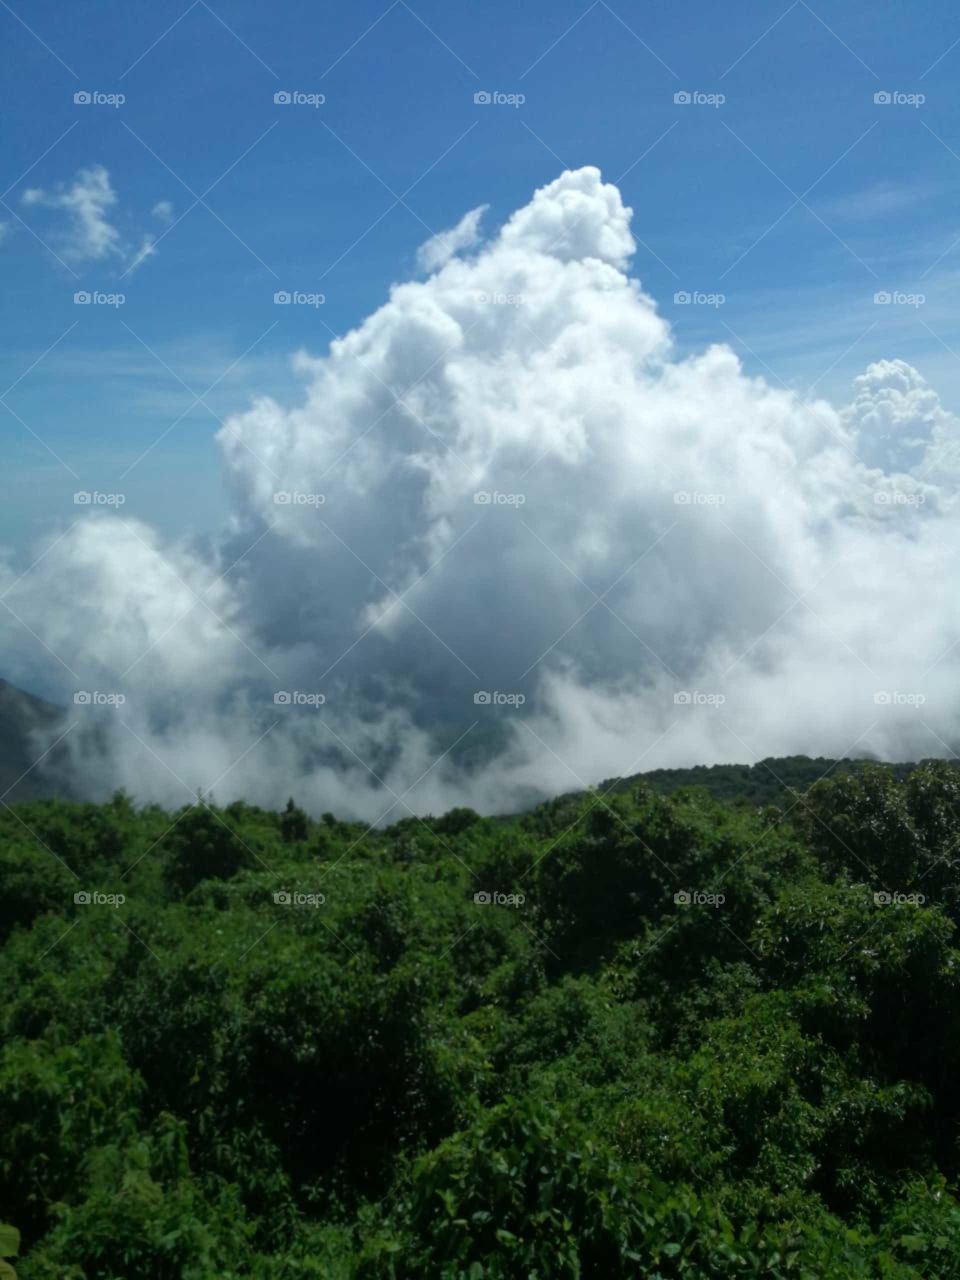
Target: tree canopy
[{"x": 627, "y": 1034}]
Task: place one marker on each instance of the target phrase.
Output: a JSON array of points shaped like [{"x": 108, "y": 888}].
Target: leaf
[{"x": 9, "y": 1240}]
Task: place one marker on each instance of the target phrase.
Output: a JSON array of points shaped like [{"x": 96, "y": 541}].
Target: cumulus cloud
[
  {"x": 89, "y": 203},
  {"x": 517, "y": 545}
]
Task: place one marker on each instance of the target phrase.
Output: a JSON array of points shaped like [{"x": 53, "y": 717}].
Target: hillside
[
  {"x": 767, "y": 782},
  {"x": 21, "y": 715},
  {"x": 624, "y": 1036}
]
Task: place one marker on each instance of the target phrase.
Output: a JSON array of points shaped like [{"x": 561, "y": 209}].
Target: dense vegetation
[
  {"x": 684, "y": 1039},
  {"x": 768, "y": 782}
]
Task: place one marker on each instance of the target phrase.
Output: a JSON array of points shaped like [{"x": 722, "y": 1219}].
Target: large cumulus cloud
[{"x": 505, "y": 482}]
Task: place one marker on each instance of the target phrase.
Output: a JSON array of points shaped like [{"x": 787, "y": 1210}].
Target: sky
[
  {"x": 672, "y": 287},
  {"x": 797, "y": 198}
]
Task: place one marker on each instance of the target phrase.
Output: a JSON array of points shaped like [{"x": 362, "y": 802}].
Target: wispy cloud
[
  {"x": 439, "y": 249},
  {"x": 89, "y": 203},
  {"x": 881, "y": 200}
]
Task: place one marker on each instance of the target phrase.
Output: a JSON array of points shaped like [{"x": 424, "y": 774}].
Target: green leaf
[{"x": 9, "y": 1240}]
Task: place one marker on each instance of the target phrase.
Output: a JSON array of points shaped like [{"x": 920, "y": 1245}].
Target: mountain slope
[{"x": 21, "y": 716}]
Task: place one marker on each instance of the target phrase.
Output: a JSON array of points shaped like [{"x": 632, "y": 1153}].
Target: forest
[{"x": 626, "y": 1034}]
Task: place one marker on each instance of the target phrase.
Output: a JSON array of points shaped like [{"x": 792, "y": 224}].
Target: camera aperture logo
[
  {"x": 94, "y": 698},
  {"x": 698, "y": 898},
  {"x": 885, "y": 899},
  {"x": 493, "y": 898},
  {"x": 486, "y": 98},
  {"x": 697, "y": 698},
  {"x": 295, "y": 98},
  {"x": 695, "y": 298},
  {"x": 896, "y": 498},
  {"x": 94, "y": 98},
  {"x": 694, "y": 98},
  {"x": 297, "y": 298},
  {"x": 293, "y": 898},
  {"x": 95, "y": 298},
  {"x": 695, "y": 498},
  {"x": 84, "y": 498},
  {"x": 897, "y": 298},
  {"x": 894, "y": 98},
  {"x": 297, "y": 698},
  {"x": 296, "y": 498},
  {"x": 502, "y": 299},
  {"x": 494, "y": 498},
  {"x": 494, "y": 698},
  {"x": 897, "y": 698}
]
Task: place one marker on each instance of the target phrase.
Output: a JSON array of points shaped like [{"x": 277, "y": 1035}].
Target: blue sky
[{"x": 797, "y": 198}]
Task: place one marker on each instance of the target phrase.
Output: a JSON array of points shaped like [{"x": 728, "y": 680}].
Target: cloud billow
[{"x": 505, "y": 482}]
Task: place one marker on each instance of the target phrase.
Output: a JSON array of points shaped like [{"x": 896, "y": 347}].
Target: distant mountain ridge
[
  {"x": 21, "y": 715},
  {"x": 766, "y": 782}
]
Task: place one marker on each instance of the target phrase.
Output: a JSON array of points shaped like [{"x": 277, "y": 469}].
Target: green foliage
[
  {"x": 202, "y": 845},
  {"x": 294, "y": 824},
  {"x": 9, "y": 1248},
  {"x": 626, "y": 1034}
]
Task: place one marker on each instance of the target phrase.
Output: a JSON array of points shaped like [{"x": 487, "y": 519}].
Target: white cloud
[
  {"x": 657, "y": 525},
  {"x": 163, "y": 210},
  {"x": 147, "y": 250},
  {"x": 439, "y": 249},
  {"x": 880, "y": 200},
  {"x": 89, "y": 204}
]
